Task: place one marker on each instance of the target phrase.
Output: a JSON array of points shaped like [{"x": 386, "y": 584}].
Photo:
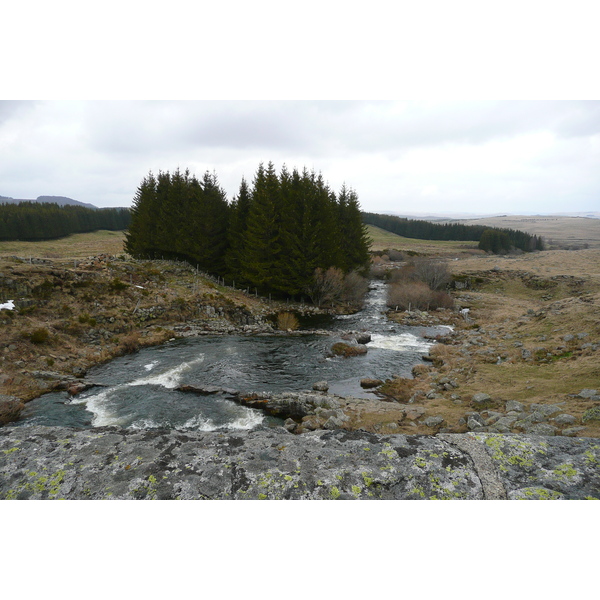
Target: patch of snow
[{"x": 10, "y": 305}]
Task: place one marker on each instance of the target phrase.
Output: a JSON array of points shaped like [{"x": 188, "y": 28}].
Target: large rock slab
[{"x": 271, "y": 463}]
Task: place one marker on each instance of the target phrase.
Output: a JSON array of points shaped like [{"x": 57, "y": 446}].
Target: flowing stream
[{"x": 139, "y": 390}]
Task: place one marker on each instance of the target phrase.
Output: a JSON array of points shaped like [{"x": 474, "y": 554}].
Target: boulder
[
  {"x": 271, "y": 463},
  {"x": 481, "y": 401},
  {"x": 348, "y": 350},
  {"x": 363, "y": 338},
  {"x": 320, "y": 386}
]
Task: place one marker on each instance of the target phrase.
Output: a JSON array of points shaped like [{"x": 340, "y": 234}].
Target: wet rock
[
  {"x": 348, "y": 350},
  {"x": 76, "y": 387},
  {"x": 363, "y": 338},
  {"x": 320, "y": 386},
  {"x": 368, "y": 383}
]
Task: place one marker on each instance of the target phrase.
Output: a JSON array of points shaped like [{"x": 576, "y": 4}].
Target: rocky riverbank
[{"x": 271, "y": 463}]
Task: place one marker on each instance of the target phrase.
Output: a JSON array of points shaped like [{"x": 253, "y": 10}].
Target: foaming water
[{"x": 142, "y": 390}]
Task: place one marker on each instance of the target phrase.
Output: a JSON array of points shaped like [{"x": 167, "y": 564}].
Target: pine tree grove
[{"x": 272, "y": 237}]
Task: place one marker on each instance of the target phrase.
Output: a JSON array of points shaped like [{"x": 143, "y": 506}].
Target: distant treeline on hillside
[
  {"x": 273, "y": 236},
  {"x": 31, "y": 221},
  {"x": 491, "y": 239}
]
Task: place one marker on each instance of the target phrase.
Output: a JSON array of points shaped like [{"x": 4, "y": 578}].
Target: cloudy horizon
[{"x": 408, "y": 157}]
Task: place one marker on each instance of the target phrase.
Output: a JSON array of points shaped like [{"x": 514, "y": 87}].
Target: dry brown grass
[
  {"x": 566, "y": 231},
  {"x": 287, "y": 321}
]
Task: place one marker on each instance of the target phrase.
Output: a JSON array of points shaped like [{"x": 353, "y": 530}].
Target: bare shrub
[
  {"x": 326, "y": 285},
  {"x": 10, "y": 409},
  {"x": 287, "y": 321},
  {"x": 417, "y": 296},
  {"x": 399, "y": 388},
  {"x": 408, "y": 296},
  {"x": 39, "y": 336},
  {"x": 354, "y": 290},
  {"x": 130, "y": 344},
  {"x": 404, "y": 274},
  {"x": 396, "y": 256},
  {"x": 434, "y": 273}
]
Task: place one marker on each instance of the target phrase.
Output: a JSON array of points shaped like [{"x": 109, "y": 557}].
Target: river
[{"x": 139, "y": 390}]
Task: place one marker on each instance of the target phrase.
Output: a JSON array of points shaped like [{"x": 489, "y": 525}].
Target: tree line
[
  {"x": 32, "y": 221},
  {"x": 274, "y": 235},
  {"x": 491, "y": 239}
]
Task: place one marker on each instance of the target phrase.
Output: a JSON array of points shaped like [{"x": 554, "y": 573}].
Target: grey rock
[
  {"x": 572, "y": 431},
  {"x": 320, "y": 386},
  {"x": 290, "y": 425},
  {"x": 591, "y": 414},
  {"x": 363, "y": 338},
  {"x": 564, "y": 419},
  {"x": 474, "y": 422},
  {"x": 434, "y": 421},
  {"x": 46, "y": 375},
  {"x": 480, "y": 401},
  {"x": 271, "y": 463},
  {"x": 541, "y": 429},
  {"x": 544, "y": 410},
  {"x": 513, "y": 405},
  {"x": 587, "y": 393}
]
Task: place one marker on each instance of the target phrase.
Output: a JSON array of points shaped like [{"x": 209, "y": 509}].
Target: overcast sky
[
  {"x": 400, "y": 157},
  {"x": 510, "y": 122}
]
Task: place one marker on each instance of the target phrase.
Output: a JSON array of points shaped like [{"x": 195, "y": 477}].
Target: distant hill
[
  {"x": 60, "y": 200},
  {"x": 569, "y": 232}
]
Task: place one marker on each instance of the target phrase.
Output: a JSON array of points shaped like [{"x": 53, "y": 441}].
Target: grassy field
[
  {"x": 385, "y": 240},
  {"x": 556, "y": 231},
  {"x": 78, "y": 245}
]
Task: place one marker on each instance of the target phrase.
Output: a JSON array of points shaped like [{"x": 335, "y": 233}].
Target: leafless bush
[
  {"x": 354, "y": 289},
  {"x": 396, "y": 256},
  {"x": 417, "y": 296},
  {"x": 326, "y": 285},
  {"x": 10, "y": 409},
  {"x": 332, "y": 286},
  {"x": 434, "y": 273}
]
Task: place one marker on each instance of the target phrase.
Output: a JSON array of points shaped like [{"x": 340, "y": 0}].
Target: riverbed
[{"x": 140, "y": 390}]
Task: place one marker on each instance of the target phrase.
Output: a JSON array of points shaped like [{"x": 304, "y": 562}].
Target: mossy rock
[
  {"x": 591, "y": 414},
  {"x": 347, "y": 350}
]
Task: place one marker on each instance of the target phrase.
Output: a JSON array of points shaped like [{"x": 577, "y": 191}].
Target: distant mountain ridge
[{"x": 60, "y": 200}]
